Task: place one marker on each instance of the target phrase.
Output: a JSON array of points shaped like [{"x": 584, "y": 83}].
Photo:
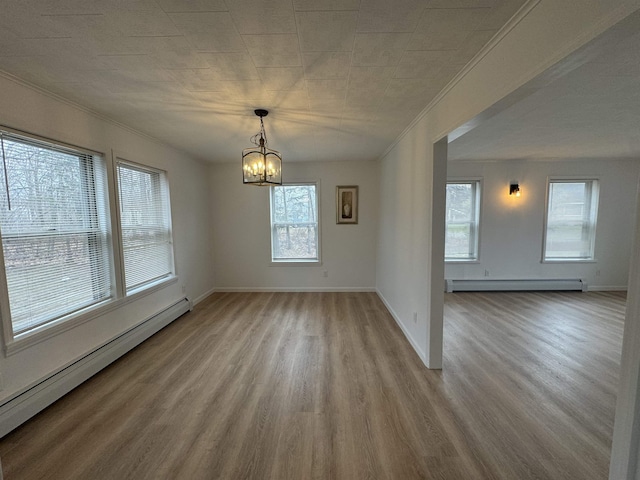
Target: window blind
[
  {"x": 145, "y": 225},
  {"x": 571, "y": 220},
  {"x": 53, "y": 219}
]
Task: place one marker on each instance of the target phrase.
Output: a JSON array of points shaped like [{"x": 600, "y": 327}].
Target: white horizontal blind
[
  {"x": 145, "y": 224},
  {"x": 53, "y": 220},
  {"x": 571, "y": 220},
  {"x": 294, "y": 223}
]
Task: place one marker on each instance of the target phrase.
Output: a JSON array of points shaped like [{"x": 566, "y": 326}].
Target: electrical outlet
[
  {"x": 1, "y": 382},
  {"x": 597, "y": 273},
  {"x": 325, "y": 273},
  {"x": 184, "y": 289},
  {"x": 486, "y": 273},
  {"x": 415, "y": 317}
]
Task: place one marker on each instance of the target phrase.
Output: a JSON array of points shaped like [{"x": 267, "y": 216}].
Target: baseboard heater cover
[
  {"x": 515, "y": 285},
  {"x": 17, "y": 410}
]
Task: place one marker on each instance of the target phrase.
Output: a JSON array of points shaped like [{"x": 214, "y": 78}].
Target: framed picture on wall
[{"x": 347, "y": 204}]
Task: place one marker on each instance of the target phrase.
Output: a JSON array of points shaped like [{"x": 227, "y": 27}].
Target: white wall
[
  {"x": 533, "y": 44},
  {"x": 625, "y": 448},
  {"x": 242, "y": 242},
  {"x": 403, "y": 245},
  {"x": 550, "y": 31},
  {"x": 511, "y": 229},
  {"x": 26, "y": 109}
]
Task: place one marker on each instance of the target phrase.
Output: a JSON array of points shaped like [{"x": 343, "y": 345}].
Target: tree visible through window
[
  {"x": 294, "y": 223},
  {"x": 462, "y": 213},
  {"x": 571, "y": 220},
  {"x": 145, "y": 222},
  {"x": 54, "y": 231}
]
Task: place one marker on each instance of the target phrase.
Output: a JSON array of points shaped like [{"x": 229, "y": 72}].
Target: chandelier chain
[{"x": 261, "y": 134}]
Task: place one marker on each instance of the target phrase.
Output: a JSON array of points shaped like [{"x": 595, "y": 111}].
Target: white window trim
[
  {"x": 595, "y": 207},
  {"x": 119, "y": 261},
  {"x": 71, "y": 321},
  {"x": 294, "y": 263},
  {"x": 14, "y": 344},
  {"x": 297, "y": 262},
  {"x": 479, "y": 200}
]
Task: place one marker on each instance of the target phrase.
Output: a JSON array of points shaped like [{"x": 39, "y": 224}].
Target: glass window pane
[
  {"x": 567, "y": 241},
  {"x": 462, "y": 216},
  {"x": 145, "y": 222},
  {"x": 54, "y": 231},
  {"x": 294, "y": 222},
  {"x": 570, "y": 229},
  {"x": 567, "y": 202},
  {"x": 296, "y": 242},
  {"x": 458, "y": 239},
  {"x": 459, "y": 202}
]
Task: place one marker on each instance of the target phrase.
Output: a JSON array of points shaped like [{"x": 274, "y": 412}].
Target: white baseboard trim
[
  {"x": 204, "y": 296},
  {"x": 406, "y": 332},
  {"x": 295, "y": 289},
  {"x": 24, "y": 405},
  {"x": 607, "y": 288}
]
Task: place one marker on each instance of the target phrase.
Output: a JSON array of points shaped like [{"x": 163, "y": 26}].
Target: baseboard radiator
[
  {"x": 514, "y": 285},
  {"x": 24, "y": 405}
]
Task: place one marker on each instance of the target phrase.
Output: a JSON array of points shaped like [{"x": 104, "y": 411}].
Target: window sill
[
  {"x": 63, "y": 324},
  {"x": 570, "y": 260},
  {"x": 295, "y": 263},
  {"x": 461, "y": 260},
  {"x": 150, "y": 287}
]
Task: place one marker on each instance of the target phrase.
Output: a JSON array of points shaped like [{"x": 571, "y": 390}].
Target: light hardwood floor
[{"x": 324, "y": 385}]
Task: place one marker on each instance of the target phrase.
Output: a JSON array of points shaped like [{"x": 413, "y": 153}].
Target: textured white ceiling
[
  {"x": 341, "y": 78},
  {"x": 592, "y": 112}
]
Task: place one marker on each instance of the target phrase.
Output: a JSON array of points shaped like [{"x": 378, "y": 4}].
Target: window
[
  {"x": 53, "y": 218},
  {"x": 572, "y": 207},
  {"x": 462, "y": 217},
  {"x": 145, "y": 222},
  {"x": 294, "y": 223}
]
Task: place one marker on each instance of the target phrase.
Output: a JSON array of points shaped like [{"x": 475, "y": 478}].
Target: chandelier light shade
[{"x": 261, "y": 165}]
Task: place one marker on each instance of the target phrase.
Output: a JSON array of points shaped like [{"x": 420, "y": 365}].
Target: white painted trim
[
  {"x": 594, "y": 197},
  {"x": 25, "y": 404},
  {"x": 165, "y": 201},
  {"x": 295, "y": 289},
  {"x": 490, "y": 45},
  {"x": 434, "y": 338},
  {"x": 607, "y": 288},
  {"x": 478, "y": 189},
  {"x": 298, "y": 262},
  {"x": 52, "y": 329},
  {"x": 204, "y": 296},
  {"x": 406, "y": 332},
  {"x": 295, "y": 263},
  {"x": 577, "y": 42}
]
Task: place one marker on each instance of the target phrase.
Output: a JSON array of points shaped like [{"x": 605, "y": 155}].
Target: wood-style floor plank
[{"x": 325, "y": 386}]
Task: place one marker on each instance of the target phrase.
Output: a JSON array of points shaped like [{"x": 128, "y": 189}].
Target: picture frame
[{"x": 347, "y": 204}]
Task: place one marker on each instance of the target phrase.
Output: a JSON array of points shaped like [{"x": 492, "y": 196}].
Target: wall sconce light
[{"x": 514, "y": 189}]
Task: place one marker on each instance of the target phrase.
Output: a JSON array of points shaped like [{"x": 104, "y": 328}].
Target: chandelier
[{"x": 261, "y": 165}]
